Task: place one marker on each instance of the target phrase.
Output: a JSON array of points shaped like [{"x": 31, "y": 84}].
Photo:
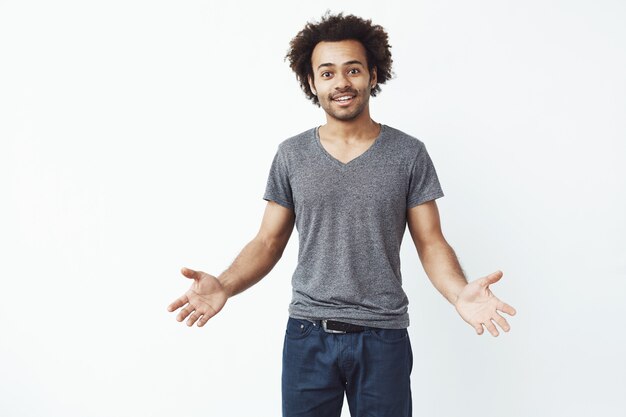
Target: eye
[
  {"x": 325, "y": 74},
  {"x": 354, "y": 71}
]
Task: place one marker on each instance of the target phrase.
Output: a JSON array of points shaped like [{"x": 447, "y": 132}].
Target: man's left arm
[{"x": 474, "y": 301}]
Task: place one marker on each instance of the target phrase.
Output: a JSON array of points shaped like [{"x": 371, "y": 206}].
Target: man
[{"x": 350, "y": 187}]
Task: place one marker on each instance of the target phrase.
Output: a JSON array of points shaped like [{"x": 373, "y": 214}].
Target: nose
[{"x": 343, "y": 82}]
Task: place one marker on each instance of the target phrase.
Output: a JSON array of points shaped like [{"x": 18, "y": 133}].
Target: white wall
[{"x": 136, "y": 138}]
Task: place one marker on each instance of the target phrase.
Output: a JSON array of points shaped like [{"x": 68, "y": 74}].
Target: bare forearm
[
  {"x": 255, "y": 261},
  {"x": 443, "y": 269}
]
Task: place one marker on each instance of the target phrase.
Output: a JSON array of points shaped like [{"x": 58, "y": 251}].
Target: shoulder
[
  {"x": 297, "y": 142},
  {"x": 294, "y": 150},
  {"x": 402, "y": 141}
]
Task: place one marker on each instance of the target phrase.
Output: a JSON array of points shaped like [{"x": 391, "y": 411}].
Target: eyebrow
[{"x": 354, "y": 61}]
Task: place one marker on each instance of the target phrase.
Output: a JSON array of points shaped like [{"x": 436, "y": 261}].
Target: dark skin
[{"x": 342, "y": 82}]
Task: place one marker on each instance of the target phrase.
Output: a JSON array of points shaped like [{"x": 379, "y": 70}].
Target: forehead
[{"x": 337, "y": 53}]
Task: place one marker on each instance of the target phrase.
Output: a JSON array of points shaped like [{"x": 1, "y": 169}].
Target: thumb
[
  {"x": 491, "y": 278},
  {"x": 189, "y": 273}
]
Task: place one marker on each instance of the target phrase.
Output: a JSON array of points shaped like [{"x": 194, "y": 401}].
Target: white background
[{"x": 136, "y": 138}]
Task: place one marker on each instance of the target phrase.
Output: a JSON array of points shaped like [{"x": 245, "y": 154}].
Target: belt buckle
[{"x": 327, "y": 330}]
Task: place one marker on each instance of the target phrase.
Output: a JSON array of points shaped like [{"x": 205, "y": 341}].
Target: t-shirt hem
[
  {"x": 382, "y": 322},
  {"x": 279, "y": 201},
  {"x": 421, "y": 200}
]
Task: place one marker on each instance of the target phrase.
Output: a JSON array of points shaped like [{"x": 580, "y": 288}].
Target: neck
[{"x": 362, "y": 127}]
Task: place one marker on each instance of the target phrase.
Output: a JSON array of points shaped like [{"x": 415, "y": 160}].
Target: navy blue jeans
[{"x": 372, "y": 367}]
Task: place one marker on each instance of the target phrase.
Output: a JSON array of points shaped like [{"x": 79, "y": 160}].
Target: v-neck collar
[{"x": 354, "y": 160}]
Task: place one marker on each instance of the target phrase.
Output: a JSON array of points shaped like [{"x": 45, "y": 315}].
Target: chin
[
  {"x": 346, "y": 116},
  {"x": 343, "y": 116}
]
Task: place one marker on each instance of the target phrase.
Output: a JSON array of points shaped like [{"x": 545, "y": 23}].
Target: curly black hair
[{"x": 333, "y": 28}]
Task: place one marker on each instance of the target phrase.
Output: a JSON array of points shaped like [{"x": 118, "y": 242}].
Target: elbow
[
  {"x": 433, "y": 244},
  {"x": 273, "y": 245}
]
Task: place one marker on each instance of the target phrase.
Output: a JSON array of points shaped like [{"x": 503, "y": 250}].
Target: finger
[
  {"x": 206, "y": 317},
  {"x": 501, "y": 321},
  {"x": 189, "y": 273},
  {"x": 491, "y": 278},
  {"x": 479, "y": 328},
  {"x": 502, "y": 306},
  {"x": 181, "y": 301},
  {"x": 185, "y": 312},
  {"x": 492, "y": 329},
  {"x": 203, "y": 320},
  {"x": 193, "y": 318}
]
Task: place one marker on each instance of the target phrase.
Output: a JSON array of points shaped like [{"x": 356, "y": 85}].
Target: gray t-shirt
[{"x": 351, "y": 218}]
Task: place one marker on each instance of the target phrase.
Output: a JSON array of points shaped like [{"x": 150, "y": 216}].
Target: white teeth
[{"x": 345, "y": 98}]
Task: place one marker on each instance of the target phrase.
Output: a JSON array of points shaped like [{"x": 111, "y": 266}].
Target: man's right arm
[
  {"x": 208, "y": 294},
  {"x": 262, "y": 253}
]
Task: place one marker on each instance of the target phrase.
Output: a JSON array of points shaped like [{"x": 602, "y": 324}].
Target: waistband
[{"x": 334, "y": 326}]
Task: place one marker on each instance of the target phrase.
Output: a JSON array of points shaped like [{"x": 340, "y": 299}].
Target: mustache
[{"x": 349, "y": 91}]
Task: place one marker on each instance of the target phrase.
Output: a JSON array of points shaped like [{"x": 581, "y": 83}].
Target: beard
[{"x": 359, "y": 104}]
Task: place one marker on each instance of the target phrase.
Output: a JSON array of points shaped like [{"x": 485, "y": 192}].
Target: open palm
[
  {"x": 203, "y": 300},
  {"x": 478, "y": 306}
]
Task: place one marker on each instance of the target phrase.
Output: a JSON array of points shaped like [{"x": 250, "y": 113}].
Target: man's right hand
[{"x": 203, "y": 300}]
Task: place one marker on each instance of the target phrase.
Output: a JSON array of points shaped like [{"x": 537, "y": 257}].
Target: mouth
[{"x": 343, "y": 99}]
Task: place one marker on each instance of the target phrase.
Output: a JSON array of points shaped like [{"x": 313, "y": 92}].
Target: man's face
[{"x": 341, "y": 80}]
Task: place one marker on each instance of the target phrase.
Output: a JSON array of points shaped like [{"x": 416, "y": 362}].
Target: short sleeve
[
  {"x": 278, "y": 187},
  {"x": 423, "y": 181}
]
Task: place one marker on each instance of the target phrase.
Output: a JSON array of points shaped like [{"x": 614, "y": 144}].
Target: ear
[
  {"x": 312, "y": 85},
  {"x": 373, "y": 78}
]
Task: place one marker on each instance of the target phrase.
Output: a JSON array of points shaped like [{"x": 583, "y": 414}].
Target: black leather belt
[{"x": 333, "y": 326}]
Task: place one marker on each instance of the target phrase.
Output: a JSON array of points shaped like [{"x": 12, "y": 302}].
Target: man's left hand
[{"x": 477, "y": 305}]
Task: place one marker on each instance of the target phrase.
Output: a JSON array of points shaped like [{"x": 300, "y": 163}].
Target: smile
[{"x": 343, "y": 100}]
